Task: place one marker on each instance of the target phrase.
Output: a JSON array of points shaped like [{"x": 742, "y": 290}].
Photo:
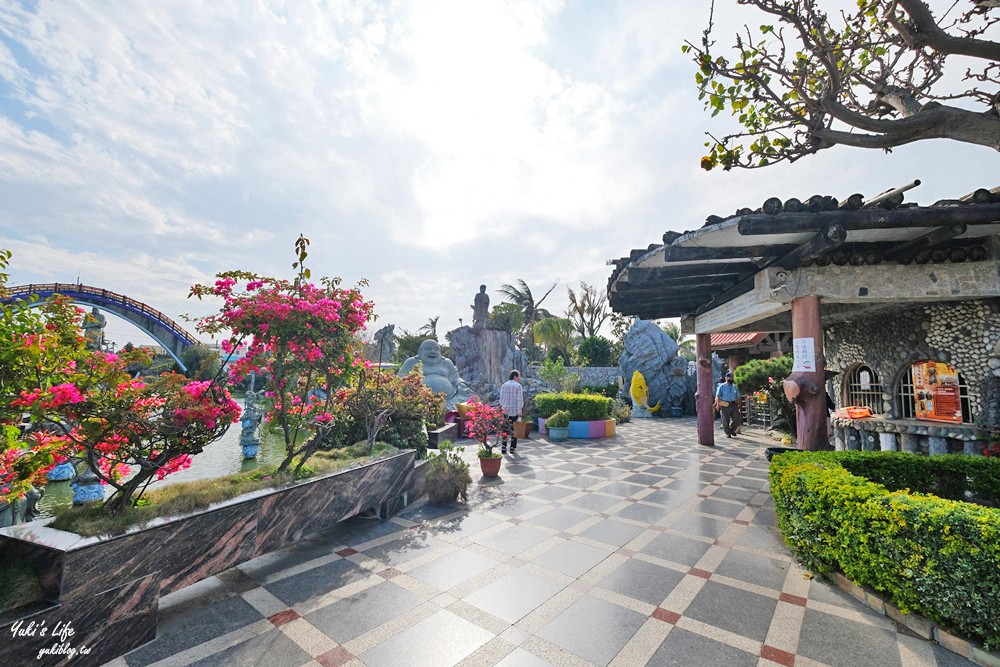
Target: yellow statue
[{"x": 639, "y": 392}]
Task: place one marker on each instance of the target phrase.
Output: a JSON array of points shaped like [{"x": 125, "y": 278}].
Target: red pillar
[
  {"x": 808, "y": 388},
  {"x": 704, "y": 398}
]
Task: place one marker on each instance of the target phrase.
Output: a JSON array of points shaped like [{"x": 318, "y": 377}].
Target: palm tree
[
  {"x": 533, "y": 312},
  {"x": 588, "y": 310},
  {"x": 431, "y": 328},
  {"x": 557, "y": 333}
]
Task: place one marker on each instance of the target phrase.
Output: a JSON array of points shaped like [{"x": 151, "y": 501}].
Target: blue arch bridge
[{"x": 165, "y": 331}]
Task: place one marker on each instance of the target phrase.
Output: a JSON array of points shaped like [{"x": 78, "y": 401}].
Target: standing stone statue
[
  {"x": 384, "y": 345},
  {"x": 480, "y": 308},
  {"x": 93, "y": 329}
]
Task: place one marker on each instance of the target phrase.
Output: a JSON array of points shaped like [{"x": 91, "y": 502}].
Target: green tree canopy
[
  {"x": 595, "y": 351},
  {"x": 805, "y": 79},
  {"x": 530, "y": 307},
  {"x": 587, "y": 309}
]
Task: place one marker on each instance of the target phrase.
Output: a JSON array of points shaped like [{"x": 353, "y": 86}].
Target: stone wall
[
  {"x": 963, "y": 334},
  {"x": 590, "y": 376}
]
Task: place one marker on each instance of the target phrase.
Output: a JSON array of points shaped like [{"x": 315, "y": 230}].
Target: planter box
[
  {"x": 439, "y": 435},
  {"x": 521, "y": 430},
  {"x": 108, "y": 588},
  {"x": 604, "y": 428}
]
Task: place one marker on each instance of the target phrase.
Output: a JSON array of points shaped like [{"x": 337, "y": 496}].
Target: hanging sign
[
  {"x": 804, "y": 352},
  {"x": 935, "y": 392}
]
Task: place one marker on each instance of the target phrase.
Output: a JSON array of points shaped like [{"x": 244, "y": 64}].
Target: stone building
[{"x": 902, "y": 301}]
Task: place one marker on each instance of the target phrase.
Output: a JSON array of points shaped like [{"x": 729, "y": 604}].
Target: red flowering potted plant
[{"x": 489, "y": 426}]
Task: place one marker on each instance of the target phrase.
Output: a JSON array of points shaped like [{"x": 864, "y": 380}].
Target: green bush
[
  {"x": 448, "y": 477},
  {"x": 930, "y": 555},
  {"x": 610, "y": 390},
  {"x": 753, "y": 375},
  {"x": 558, "y": 419},
  {"x": 595, "y": 351},
  {"x": 581, "y": 407}
]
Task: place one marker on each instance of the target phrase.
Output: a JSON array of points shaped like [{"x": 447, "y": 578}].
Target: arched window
[
  {"x": 934, "y": 391},
  {"x": 863, "y": 388}
]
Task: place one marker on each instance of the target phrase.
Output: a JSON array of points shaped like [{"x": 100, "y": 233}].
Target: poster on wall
[
  {"x": 804, "y": 351},
  {"x": 935, "y": 392}
]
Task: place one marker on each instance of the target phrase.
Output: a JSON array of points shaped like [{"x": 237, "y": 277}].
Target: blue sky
[{"x": 428, "y": 147}]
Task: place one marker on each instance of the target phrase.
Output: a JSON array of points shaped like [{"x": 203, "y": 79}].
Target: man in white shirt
[{"x": 512, "y": 404}]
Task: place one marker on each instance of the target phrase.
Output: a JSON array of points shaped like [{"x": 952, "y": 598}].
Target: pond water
[{"x": 222, "y": 457}]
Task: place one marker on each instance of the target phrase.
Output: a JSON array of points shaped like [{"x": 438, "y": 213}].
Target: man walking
[
  {"x": 727, "y": 397},
  {"x": 512, "y": 403}
]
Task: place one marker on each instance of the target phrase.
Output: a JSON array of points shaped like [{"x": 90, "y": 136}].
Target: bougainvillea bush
[
  {"x": 301, "y": 338},
  {"x": 84, "y": 405},
  {"x": 488, "y": 425}
]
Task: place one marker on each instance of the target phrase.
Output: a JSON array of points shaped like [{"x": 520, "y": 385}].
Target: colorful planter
[
  {"x": 604, "y": 428},
  {"x": 558, "y": 434}
]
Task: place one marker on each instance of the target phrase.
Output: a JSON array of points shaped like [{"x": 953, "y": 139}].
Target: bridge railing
[{"x": 70, "y": 289}]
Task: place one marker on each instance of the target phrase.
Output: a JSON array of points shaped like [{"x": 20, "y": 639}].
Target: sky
[{"x": 424, "y": 146}]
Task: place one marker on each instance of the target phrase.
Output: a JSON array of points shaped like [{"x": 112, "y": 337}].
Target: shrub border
[{"x": 926, "y": 554}]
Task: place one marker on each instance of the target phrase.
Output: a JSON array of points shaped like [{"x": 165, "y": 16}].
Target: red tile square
[
  {"x": 777, "y": 655},
  {"x": 389, "y": 573},
  {"x": 335, "y": 657},
  {"x": 628, "y": 553},
  {"x": 666, "y": 615},
  {"x": 344, "y": 553},
  {"x": 792, "y": 599},
  {"x": 741, "y": 522},
  {"x": 704, "y": 574},
  {"x": 283, "y": 617}
]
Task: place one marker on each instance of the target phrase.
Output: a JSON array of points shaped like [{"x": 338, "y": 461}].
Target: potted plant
[
  {"x": 558, "y": 425},
  {"x": 448, "y": 474},
  {"x": 489, "y": 426}
]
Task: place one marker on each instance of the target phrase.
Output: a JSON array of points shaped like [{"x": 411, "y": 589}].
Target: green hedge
[
  {"x": 581, "y": 407},
  {"x": 933, "y": 556}
]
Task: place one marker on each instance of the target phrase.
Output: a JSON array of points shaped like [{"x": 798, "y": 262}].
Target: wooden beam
[
  {"x": 828, "y": 239},
  {"x": 644, "y": 276},
  {"x": 911, "y": 248},
  {"x": 699, "y": 253},
  {"x": 792, "y": 223}
]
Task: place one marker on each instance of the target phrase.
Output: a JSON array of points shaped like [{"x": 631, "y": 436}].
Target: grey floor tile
[
  {"x": 667, "y": 498},
  {"x": 356, "y": 531},
  {"x": 676, "y": 548},
  {"x": 272, "y": 648},
  {"x": 702, "y": 526},
  {"x": 513, "y": 540},
  {"x": 757, "y": 536},
  {"x": 593, "y": 629},
  {"x": 514, "y": 595},
  {"x": 719, "y": 507},
  {"x": 732, "y": 609},
  {"x": 594, "y": 502},
  {"x": 551, "y": 492},
  {"x": 754, "y": 569},
  {"x": 622, "y": 489},
  {"x": 425, "y": 511},
  {"x": 193, "y": 625},
  {"x": 582, "y": 482},
  {"x": 642, "y": 581},
  {"x": 516, "y": 505},
  {"x": 572, "y": 558},
  {"x": 643, "y": 478},
  {"x": 452, "y": 569},
  {"x": 643, "y": 512},
  {"x": 317, "y": 581},
  {"x": 463, "y": 526},
  {"x": 345, "y": 619},
  {"x": 687, "y": 649},
  {"x": 406, "y": 548},
  {"x": 560, "y": 518},
  {"x": 734, "y": 493},
  {"x": 522, "y": 658},
  {"x": 612, "y": 532},
  {"x": 442, "y": 639},
  {"x": 839, "y": 642}
]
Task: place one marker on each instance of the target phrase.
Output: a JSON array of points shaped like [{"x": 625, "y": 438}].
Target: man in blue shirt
[{"x": 727, "y": 402}]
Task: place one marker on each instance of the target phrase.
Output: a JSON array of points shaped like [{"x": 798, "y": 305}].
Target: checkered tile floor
[{"x": 642, "y": 549}]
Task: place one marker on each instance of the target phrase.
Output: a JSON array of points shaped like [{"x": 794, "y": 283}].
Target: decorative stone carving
[
  {"x": 651, "y": 352},
  {"x": 383, "y": 345},
  {"x": 439, "y": 373},
  {"x": 485, "y": 355}
]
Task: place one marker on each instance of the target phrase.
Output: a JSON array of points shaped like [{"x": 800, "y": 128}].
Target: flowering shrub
[
  {"x": 300, "y": 337},
  {"x": 488, "y": 425},
  {"x": 83, "y": 405}
]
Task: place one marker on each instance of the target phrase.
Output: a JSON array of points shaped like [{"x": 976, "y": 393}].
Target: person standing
[
  {"x": 727, "y": 402},
  {"x": 512, "y": 404}
]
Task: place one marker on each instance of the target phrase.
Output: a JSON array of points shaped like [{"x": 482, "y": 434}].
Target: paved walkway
[{"x": 643, "y": 549}]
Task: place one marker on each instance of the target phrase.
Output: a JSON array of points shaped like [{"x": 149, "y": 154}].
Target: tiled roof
[{"x": 729, "y": 340}]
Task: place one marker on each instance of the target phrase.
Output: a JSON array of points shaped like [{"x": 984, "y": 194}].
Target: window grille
[
  {"x": 863, "y": 388},
  {"x": 907, "y": 409}
]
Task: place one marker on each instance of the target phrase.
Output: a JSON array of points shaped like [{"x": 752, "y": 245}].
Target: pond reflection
[{"x": 222, "y": 457}]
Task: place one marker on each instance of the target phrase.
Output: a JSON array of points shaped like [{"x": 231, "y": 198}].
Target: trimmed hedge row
[
  {"x": 930, "y": 555},
  {"x": 581, "y": 407}
]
